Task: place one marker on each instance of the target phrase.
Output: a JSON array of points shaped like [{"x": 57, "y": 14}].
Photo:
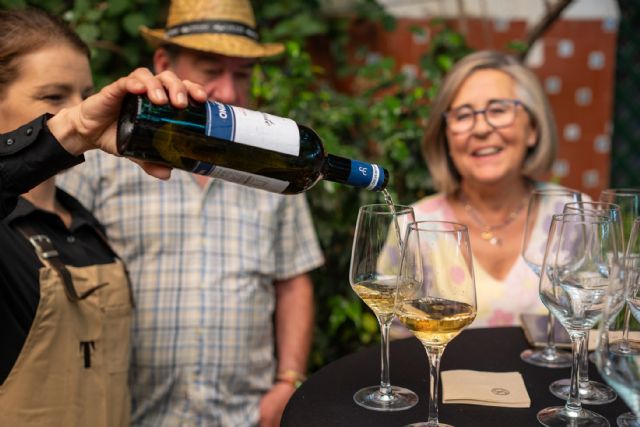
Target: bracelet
[
  {"x": 292, "y": 377},
  {"x": 294, "y": 383}
]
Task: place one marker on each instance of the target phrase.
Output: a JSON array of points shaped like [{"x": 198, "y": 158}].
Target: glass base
[
  {"x": 547, "y": 358},
  {"x": 628, "y": 419},
  {"x": 426, "y": 424},
  {"x": 594, "y": 393},
  {"x": 398, "y": 400},
  {"x": 560, "y": 416}
]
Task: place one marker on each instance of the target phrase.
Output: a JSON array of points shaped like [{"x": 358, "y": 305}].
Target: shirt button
[
  {"x": 29, "y": 131},
  {"x": 71, "y": 239},
  {"x": 10, "y": 141}
]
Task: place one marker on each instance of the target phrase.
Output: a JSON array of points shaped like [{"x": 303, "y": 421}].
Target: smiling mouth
[{"x": 488, "y": 151}]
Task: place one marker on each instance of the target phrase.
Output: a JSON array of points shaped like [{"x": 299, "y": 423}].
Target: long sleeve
[{"x": 28, "y": 156}]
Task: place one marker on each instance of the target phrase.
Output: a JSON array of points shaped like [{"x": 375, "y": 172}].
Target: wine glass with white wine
[
  {"x": 375, "y": 263},
  {"x": 436, "y": 297}
]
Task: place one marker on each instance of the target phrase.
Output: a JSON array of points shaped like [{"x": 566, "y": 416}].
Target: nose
[
  {"x": 482, "y": 124},
  {"x": 223, "y": 89}
]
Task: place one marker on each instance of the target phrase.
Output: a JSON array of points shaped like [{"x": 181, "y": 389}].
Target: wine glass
[
  {"x": 436, "y": 297},
  {"x": 578, "y": 265},
  {"x": 629, "y": 201},
  {"x": 544, "y": 202},
  {"x": 631, "y": 305},
  {"x": 375, "y": 263},
  {"x": 616, "y": 360},
  {"x": 591, "y": 392}
]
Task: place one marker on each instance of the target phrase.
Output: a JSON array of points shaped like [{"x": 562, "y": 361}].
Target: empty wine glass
[
  {"x": 629, "y": 201},
  {"x": 436, "y": 296},
  {"x": 576, "y": 271},
  {"x": 591, "y": 392},
  {"x": 375, "y": 263},
  {"x": 544, "y": 203},
  {"x": 616, "y": 360},
  {"x": 632, "y": 305}
]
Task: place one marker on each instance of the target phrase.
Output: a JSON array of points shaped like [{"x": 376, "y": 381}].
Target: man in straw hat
[{"x": 213, "y": 264}]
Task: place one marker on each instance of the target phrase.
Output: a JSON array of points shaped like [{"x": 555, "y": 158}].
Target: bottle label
[
  {"x": 366, "y": 175},
  {"x": 243, "y": 178},
  {"x": 252, "y": 128}
]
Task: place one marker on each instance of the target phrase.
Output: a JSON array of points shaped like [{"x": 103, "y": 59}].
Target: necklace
[{"x": 488, "y": 230}]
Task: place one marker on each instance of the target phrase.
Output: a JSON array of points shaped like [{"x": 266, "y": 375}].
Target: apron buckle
[{"x": 43, "y": 246}]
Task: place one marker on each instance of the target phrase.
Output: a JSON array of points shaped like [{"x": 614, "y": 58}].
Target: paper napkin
[{"x": 505, "y": 389}]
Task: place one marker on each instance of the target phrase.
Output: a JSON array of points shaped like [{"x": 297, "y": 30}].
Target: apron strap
[
  {"x": 127, "y": 276},
  {"x": 48, "y": 254}
]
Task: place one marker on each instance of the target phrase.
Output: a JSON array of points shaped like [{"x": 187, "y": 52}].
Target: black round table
[{"x": 325, "y": 399}]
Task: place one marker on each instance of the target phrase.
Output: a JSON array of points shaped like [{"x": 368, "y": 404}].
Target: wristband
[{"x": 292, "y": 377}]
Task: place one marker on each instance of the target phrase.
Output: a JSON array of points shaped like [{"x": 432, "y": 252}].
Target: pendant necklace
[{"x": 488, "y": 230}]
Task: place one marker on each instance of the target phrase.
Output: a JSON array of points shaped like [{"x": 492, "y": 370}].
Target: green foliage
[
  {"x": 110, "y": 28},
  {"x": 381, "y": 121}
]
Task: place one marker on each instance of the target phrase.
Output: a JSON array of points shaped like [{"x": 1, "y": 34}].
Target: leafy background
[{"x": 359, "y": 104}]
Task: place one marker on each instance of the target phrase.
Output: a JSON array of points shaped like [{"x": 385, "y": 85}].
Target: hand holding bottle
[{"x": 92, "y": 123}]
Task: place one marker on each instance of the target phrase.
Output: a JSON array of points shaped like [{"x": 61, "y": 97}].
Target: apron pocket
[{"x": 117, "y": 334}]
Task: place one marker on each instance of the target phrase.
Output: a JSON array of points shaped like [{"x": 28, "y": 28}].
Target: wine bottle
[{"x": 238, "y": 145}]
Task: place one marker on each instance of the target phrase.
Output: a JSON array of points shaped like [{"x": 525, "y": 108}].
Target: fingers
[
  {"x": 153, "y": 85},
  {"x": 164, "y": 87},
  {"x": 195, "y": 91}
]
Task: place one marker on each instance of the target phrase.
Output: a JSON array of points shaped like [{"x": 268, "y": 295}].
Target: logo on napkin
[{"x": 505, "y": 389}]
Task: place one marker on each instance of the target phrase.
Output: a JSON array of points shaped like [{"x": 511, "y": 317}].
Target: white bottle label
[
  {"x": 252, "y": 128},
  {"x": 243, "y": 178}
]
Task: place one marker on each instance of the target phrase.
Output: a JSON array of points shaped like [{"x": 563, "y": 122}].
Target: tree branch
[{"x": 541, "y": 27}]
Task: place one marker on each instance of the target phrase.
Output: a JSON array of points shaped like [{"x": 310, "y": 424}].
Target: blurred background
[{"x": 362, "y": 73}]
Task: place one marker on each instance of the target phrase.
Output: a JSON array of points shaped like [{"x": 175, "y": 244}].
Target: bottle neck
[{"x": 355, "y": 173}]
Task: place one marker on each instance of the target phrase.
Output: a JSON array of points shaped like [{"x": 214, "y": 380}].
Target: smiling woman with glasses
[{"x": 491, "y": 132}]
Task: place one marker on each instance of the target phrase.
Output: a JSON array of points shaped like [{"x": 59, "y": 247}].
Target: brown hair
[
  {"x": 539, "y": 158},
  {"x": 25, "y": 31}
]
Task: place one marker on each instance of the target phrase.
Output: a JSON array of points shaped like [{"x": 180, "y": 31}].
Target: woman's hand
[{"x": 92, "y": 123}]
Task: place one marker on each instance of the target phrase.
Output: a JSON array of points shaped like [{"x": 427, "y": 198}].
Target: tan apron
[{"x": 72, "y": 370}]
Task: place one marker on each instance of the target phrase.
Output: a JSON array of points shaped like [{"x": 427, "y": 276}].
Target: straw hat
[{"x": 225, "y": 27}]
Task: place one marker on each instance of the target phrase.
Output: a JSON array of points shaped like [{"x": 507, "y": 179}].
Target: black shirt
[{"x": 30, "y": 158}]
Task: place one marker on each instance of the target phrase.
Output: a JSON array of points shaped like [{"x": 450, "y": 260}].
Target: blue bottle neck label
[{"x": 366, "y": 175}]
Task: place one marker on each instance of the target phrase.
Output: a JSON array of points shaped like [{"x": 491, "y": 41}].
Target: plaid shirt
[{"x": 202, "y": 263}]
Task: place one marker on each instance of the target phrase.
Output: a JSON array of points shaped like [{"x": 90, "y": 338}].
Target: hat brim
[{"x": 222, "y": 44}]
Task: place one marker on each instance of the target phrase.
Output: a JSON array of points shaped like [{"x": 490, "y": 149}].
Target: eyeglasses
[{"x": 498, "y": 114}]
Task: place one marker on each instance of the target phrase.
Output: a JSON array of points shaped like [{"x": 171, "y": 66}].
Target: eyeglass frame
[{"x": 475, "y": 112}]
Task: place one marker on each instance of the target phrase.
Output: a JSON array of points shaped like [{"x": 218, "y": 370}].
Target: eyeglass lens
[{"x": 498, "y": 113}]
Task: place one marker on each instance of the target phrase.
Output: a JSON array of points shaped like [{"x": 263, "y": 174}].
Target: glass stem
[
  {"x": 385, "y": 383},
  {"x": 578, "y": 339},
  {"x": 624, "y": 345},
  {"x": 433, "y": 353},
  {"x": 583, "y": 374},
  {"x": 551, "y": 342}
]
